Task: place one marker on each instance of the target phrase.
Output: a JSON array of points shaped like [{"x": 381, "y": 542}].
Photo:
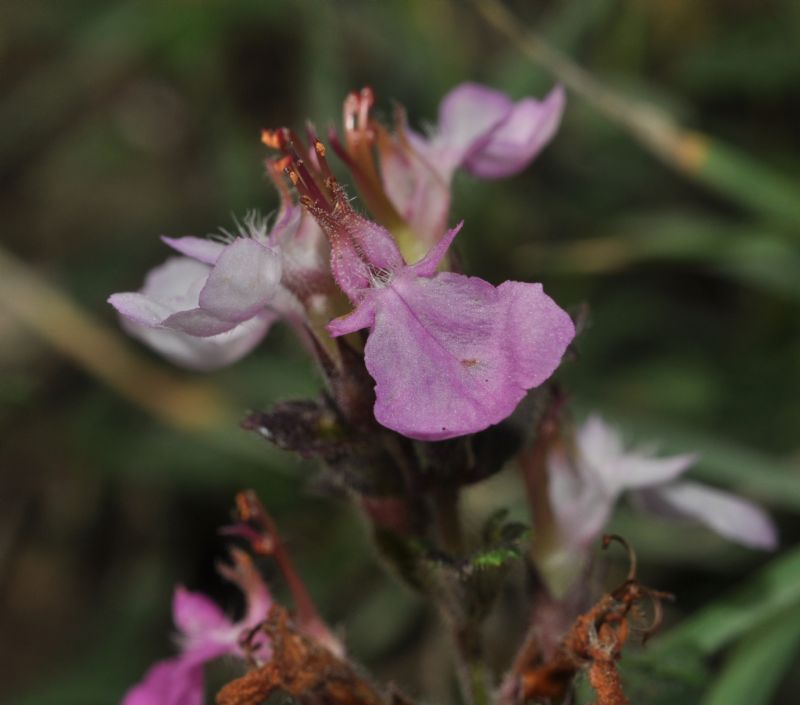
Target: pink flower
[
  {"x": 486, "y": 133},
  {"x": 214, "y": 305},
  {"x": 204, "y": 634},
  {"x": 585, "y": 486},
  {"x": 480, "y": 130},
  {"x": 450, "y": 354}
]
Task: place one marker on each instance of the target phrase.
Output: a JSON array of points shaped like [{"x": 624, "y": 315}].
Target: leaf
[
  {"x": 773, "y": 590},
  {"x": 755, "y": 668}
]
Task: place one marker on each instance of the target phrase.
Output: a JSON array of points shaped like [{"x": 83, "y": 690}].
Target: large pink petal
[
  {"x": 451, "y": 355},
  {"x": 733, "y": 517},
  {"x": 514, "y": 143},
  {"x": 244, "y": 279}
]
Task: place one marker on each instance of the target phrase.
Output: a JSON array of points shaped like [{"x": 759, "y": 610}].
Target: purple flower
[
  {"x": 585, "y": 486},
  {"x": 486, "y": 133},
  {"x": 214, "y": 305},
  {"x": 450, "y": 354},
  {"x": 480, "y": 130},
  {"x": 204, "y": 634}
]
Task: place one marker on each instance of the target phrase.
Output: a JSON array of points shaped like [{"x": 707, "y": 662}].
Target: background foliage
[{"x": 123, "y": 120}]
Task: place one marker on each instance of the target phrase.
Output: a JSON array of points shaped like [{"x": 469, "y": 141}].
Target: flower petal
[
  {"x": 603, "y": 456},
  {"x": 194, "y": 613},
  {"x": 363, "y": 316},
  {"x": 242, "y": 282},
  {"x": 198, "y": 322},
  {"x": 199, "y": 248},
  {"x": 419, "y": 193},
  {"x": 138, "y": 308},
  {"x": 467, "y": 116},
  {"x": 580, "y": 503},
  {"x": 514, "y": 143},
  {"x": 204, "y": 353},
  {"x": 171, "y": 287},
  {"x": 733, "y": 517},
  {"x": 451, "y": 355},
  {"x": 175, "y": 681}
]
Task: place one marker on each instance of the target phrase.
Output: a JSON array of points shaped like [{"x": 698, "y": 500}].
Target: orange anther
[{"x": 271, "y": 139}]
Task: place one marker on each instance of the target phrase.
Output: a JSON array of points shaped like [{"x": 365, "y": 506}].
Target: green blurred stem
[
  {"x": 447, "y": 517},
  {"x": 728, "y": 171},
  {"x": 479, "y": 682},
  {"x": 474, "y": 677}
]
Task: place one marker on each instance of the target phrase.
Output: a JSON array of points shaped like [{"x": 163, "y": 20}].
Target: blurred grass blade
[
  {"x": 750, "y": 254},
  {"x": 773, "y": 591},
  {"x": 753, "y": 671},
  {"x": 56, "y": 318},
  {"x": 728, "y": 171}
]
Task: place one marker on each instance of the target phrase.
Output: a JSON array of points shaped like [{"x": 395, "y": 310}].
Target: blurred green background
[{"x": 121, "y": 121}]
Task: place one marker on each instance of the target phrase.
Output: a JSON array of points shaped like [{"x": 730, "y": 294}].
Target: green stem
[{"x": 729, "y": 171}]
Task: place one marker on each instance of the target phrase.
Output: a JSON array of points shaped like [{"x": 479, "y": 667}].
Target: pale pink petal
[
  {"x": 198, "y": 322},
  {"x": 176, "y": 283},
  {"x": 199, "y": 248},
  {"x": 244, "y": 279},
  {"x": 193, "y": 613},
  {"x": 515, "y": 142},
  {"x": 580, "y": 504},
  {"x": 171, "y": 287},
  {"x": 733, "y": 517},
  {"x": 467, "y": 116},
  {"x": 603, "y": 456},
  {"x": 451, "y": 355},
  {"x": 175, "y": 681},
  {"x": 138, "y": 308},
  {"x": 304, "y": 251},
  {"x": 204, "y": 353}
]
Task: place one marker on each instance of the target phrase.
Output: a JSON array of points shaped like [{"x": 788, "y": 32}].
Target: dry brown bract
[
  {"x": 301, "y": 668},
  {"x": 594, "y": 643}
]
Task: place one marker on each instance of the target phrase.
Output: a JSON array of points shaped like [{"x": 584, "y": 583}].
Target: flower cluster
[
  {"x": 424, "y": 366},
  {"x": 449, "y": 354}
]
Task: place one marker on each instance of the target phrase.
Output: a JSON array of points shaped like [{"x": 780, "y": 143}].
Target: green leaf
[
  {"x": 495, "y": 558},
  {"x": 771, "y": 592},
  {"x": 754, "y": 669}
]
